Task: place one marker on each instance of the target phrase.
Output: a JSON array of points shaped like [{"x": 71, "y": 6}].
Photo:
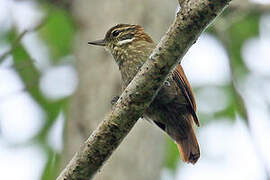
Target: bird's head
[{"x": 121, "y": 36}]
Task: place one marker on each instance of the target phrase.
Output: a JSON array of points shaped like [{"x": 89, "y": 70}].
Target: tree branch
[{"x": 188, "y": 25}]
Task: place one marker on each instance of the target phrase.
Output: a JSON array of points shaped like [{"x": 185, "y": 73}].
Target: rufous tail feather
[{"x": 189, "y": 148}]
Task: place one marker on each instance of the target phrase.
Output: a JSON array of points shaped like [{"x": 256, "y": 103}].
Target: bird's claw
[{"x": 114, "y": 100}]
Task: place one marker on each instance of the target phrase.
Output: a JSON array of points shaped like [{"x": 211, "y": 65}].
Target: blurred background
[{"x": 55, "y": 89}]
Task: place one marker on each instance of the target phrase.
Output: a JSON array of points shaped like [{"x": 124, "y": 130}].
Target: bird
[{"x": 174, "y": 108}]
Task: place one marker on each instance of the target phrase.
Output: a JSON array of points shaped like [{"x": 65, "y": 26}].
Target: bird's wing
[{"x": 182, "y": 82}]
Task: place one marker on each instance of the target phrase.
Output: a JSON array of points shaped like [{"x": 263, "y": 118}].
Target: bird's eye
[{"x": 115, "y": 33}]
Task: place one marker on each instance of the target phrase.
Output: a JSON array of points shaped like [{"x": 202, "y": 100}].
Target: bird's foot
[{"x": 114, "y": 100}]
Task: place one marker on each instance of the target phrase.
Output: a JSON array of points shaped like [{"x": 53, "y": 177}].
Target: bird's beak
[{"x": 98, "y": 42}]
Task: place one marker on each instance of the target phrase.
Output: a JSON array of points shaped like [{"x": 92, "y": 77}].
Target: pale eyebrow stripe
[{"x": 125, "y": 41}]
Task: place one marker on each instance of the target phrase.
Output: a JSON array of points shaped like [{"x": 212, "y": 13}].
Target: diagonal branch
[{"x": 193, "y": 18}]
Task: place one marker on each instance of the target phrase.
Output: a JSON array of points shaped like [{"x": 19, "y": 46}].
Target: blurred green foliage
[
  {"x": 31, "y": 78},
  {"x": 52, "y": 166},
  {"x": 58, "y": 32},
  {"x": 171, "y": 154},
  {"x": 237, "y": 34}
]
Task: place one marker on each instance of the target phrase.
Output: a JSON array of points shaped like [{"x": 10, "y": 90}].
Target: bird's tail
[
  {"x": 179, "y": 126},
  {"x": 189, "y": 147}
]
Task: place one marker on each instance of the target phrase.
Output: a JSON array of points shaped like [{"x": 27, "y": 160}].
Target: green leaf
[
  {"x": 58, "y": 32},
  {"x": 171, "y": 155},
  {"x": 52, "y": 166},
  {"x": 8, "y": 36},
  {"x": 24, "y": 65},
  {"x": 238, "y": 34},
  {"x": 240, "y": 105}
]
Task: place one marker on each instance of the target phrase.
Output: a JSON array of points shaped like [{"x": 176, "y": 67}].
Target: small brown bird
[{"x": 173, "y": 109}]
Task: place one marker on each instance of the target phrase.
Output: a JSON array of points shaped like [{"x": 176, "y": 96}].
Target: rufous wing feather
[
  {"x": 182, "y": 82},
  {"x": 188, "y": 145}
]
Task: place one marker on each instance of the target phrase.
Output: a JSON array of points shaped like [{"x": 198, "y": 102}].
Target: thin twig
[
  {"x": 18, "y": 40},
  {"x": 13, "y": 46}
]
